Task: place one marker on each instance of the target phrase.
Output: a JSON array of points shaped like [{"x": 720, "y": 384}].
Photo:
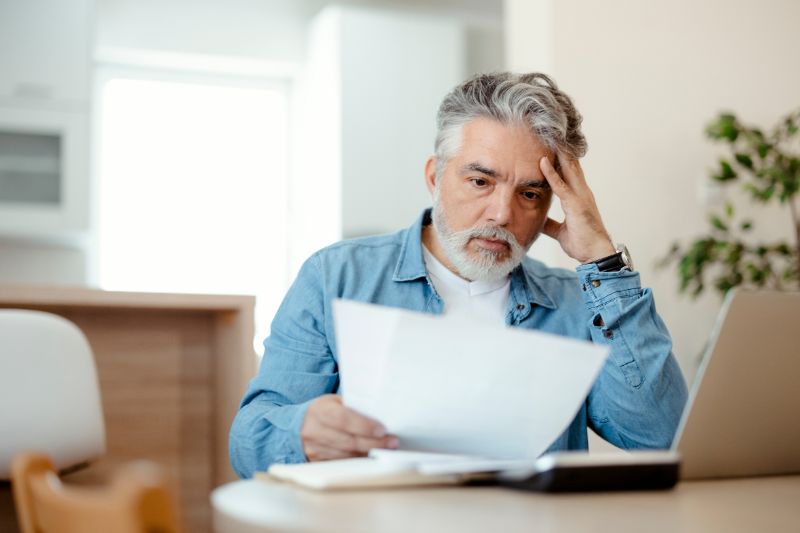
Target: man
[{"x": 505, "y": 144}]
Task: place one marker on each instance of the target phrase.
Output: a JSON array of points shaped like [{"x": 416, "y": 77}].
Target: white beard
[{"x": 488, "y": 266}]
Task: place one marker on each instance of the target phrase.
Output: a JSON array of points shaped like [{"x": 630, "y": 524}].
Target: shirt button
[
  {"x": 520, "y": 307},
  {"x": 608, "y": 334},
  {"x": 595, "y": 283}
]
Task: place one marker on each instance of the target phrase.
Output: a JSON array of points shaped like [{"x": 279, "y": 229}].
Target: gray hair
[{"x": 532, "y": 100}]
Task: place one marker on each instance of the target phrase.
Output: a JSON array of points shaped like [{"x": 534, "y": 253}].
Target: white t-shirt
[{"x": 483, "y": 300}]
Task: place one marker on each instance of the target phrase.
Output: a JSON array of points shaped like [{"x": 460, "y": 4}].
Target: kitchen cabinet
[{"x": 45, "y": 95}]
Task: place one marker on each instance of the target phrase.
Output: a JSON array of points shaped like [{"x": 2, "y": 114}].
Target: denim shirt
[{"x": 636, "y": 401}]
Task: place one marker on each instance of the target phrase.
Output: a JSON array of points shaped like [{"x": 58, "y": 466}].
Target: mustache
[{"x": 488, "y": 232}]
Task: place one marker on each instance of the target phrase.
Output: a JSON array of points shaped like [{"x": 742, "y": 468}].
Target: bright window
[{"x": 193, "y": 180}]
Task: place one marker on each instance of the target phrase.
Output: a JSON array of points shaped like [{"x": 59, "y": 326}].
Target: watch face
[{"x": 626, "y": 256}]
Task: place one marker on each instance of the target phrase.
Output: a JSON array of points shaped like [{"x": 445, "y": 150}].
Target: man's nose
[{"x": 500, "y": 210}]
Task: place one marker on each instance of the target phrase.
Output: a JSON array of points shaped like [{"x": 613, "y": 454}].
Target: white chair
[{"x": 49, "y": 395}]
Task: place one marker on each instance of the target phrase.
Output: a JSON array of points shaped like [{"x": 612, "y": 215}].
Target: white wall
[
  {"x": 392, "y": 85},
  {"x": 647, "y": 77},
  {"x": 315, "y": 192},
  {"x": 275, "y": 30},
  {"x": 264, "y": 29},
  {"x": 366, "y": 105}
]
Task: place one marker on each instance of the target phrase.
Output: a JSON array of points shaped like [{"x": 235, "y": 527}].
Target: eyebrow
[
  {"x": 529, "y": 184},
  {"x": 535, "y": 184},
  {"x": 477, "y": 167}
]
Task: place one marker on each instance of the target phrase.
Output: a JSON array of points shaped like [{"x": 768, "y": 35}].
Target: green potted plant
[{"x": 767, "y": 165}]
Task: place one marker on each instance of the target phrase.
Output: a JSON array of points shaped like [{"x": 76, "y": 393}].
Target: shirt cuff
[
  {"x": 289, "y": 418},
  {"x": 598, "y": 288}
]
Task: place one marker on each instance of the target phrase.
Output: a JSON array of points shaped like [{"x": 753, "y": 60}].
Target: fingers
[
  {"x": 582, "y": 235},
  {"x": 331, "y": 431},
  {"x": 320, "y": 453},
  {"x": 569, "y": 175},
  {"x": 326, "y": 437},
  {"x": 559, "y": 186},
  {"x": 571, "y": 171},
  {"x": 337, "y": 416},
  {"x": 344, "y": 440}
]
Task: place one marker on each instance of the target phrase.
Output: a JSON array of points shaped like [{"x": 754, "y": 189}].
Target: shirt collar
[
  {"x": 410, "y": 265},
  {"x": 525, "y": 289}
]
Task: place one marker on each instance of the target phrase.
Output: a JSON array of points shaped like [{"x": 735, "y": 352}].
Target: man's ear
[{"x": 430, "y": 174}]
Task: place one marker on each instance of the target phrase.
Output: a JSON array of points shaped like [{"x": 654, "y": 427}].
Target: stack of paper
[
  {"x": 640, "y": 469},
  {"x": 377, "y": 470}
]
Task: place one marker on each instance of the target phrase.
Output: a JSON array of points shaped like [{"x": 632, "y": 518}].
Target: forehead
[{"x": 489, "y": 141}]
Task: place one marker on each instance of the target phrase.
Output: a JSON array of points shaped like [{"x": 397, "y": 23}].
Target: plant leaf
[
  {"x": 726, "y": 172},
  {"x": 723, "y": 128},
  {"x": 744, "y": 160},
  {"x": 728, "y": 210},
  {"x": 718, "y": 223}
]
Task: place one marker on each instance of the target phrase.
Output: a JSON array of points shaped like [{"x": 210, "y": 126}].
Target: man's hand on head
[
  {"x": 582, "y": 234},
  {"x": 332, "y": 431}
]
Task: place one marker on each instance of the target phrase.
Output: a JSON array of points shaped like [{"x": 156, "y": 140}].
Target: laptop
[
  {"x": 742, "y": 417},
  {"x": 743, "y": 414}
]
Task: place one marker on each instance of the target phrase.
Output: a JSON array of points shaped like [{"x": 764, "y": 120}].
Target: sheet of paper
[
  {"x": 365, "y": 337},
  {"x": 450, "y": 385},
  {"x": 357, "y": 472},
  {"x": 446, "y": 463}
]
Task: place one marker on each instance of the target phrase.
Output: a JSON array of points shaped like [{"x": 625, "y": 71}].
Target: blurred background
[{"x": 210, "y": 146}]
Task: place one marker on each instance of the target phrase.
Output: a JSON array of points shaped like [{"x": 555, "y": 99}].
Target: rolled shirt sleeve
[
  {"x": 297, "y": 367},
  {"x": 639, "y": 396}
]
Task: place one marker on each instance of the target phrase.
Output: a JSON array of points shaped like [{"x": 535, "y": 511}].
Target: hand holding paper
[
  {"x": 450, "y": 385},
  {"x": 332, "y": 431}
]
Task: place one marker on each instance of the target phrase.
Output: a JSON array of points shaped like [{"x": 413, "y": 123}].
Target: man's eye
[
  {"x": 531, "y": 195},
  {"x": 479, "y": 182}
]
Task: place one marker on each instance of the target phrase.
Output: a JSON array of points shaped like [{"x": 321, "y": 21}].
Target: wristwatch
[{"x": 616, "y": 261}]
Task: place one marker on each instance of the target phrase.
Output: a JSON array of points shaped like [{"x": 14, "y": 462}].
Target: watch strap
[{"x": 611, "y": 263}]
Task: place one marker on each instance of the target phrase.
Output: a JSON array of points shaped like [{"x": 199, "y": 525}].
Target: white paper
[
  {"x": 357, "y": 472},
  {"x": 450, "y": 385},
  {"x": 428, "y": 463},
  {"x": 366, "y": 337}
]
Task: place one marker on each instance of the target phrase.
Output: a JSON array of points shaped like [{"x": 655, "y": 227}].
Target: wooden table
[
  {"x": 752, "y": 505},
  {"x": 172, "y": 369}
]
